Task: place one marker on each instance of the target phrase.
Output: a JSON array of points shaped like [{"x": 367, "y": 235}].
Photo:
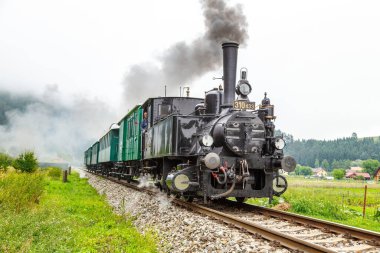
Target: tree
[
  {"x": 370, "y": 166},
  {"x": 303, "y": 170},
  {"x": 357, "y": 163},
  {"x": 316, "y": 163},
  {"x": 338, "y": 173},
  {"x": 26, "y": 162},
  {"x": 346, "y": 164},
  {"x": 325, "y": 164},
  {"x": 335, "y": 164},
  {"x": 5, "y": 161}
]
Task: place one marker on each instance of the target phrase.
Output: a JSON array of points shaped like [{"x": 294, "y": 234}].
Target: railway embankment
[{"x": 177, "y": 229}]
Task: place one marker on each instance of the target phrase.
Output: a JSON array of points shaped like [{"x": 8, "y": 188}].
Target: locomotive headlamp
[
  {"x": 207, "y": 140},
  {"x": 279, "y": 143},
  {"x": 212, "y": 160},
  {"x": 245, "y": 89}
]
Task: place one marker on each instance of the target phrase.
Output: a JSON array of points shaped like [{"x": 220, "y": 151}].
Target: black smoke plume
[{"x": 183, "y": 62}]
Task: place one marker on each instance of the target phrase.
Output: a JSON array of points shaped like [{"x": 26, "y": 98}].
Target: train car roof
[
  {"x": 111, "y": 129},
  {"x": 146, "y": 101},
  {"x": 95, "y": 144},
  {"x": 129, "y": 113}
]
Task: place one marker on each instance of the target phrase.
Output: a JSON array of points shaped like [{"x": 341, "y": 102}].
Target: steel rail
[
  {"x": 269, "y": 234},
  {"x": 348, "y": 231}
]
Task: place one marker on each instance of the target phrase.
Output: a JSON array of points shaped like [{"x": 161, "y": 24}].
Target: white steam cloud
[{"x": 49, "y": 127}]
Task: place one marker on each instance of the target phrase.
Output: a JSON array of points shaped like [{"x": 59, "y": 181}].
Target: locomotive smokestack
[{"x": 230, "y": 51}]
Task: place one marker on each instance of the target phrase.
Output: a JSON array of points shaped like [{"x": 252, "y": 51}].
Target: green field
[
  {"x": 338, "y": 201},
  {"x": 42, "y": 214}
]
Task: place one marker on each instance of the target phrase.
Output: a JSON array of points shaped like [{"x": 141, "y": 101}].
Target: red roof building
[{"x": 351, "y": 174}]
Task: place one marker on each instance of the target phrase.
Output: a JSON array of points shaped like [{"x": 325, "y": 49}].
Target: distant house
[
  {"x": 354, "y": 172},
  {"x": 350, "y": 174},
  {"x": 376, "y": 176},
  {"x": 319, "y": 172},
  {"x": 356, "y": 169}
]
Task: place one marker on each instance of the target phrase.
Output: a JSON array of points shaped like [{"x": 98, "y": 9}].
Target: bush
[
  {"x": 5, "y": 161},
  {"x": 54, "y": 172},
  {"x": 19, "y": 191},
  {"x": 360, "y": 177},
  {"x": 26, "y": 162},
  {"x": 338, "y": 173},
  {"x": 303, "y": 170}
]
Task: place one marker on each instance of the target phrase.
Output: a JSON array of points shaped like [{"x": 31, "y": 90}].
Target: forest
[{"x": 330, "y": 154}]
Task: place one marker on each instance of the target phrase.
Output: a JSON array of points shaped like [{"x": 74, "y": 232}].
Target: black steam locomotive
[{"x": 213, "y": 148}]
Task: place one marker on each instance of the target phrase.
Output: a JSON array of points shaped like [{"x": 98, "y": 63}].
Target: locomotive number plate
[{"x": 244, "y": 105}]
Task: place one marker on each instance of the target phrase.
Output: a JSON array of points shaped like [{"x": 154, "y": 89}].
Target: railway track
[
  {"x": 295, "y": 232},
  {"x": 330, "y": 236}
]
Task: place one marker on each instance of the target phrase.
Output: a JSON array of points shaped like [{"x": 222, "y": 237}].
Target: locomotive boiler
[{"x": 211, "y": 148}]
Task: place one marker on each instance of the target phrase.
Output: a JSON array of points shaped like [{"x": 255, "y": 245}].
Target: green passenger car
[
  {"x": 87, "y": 157},
  {"x": 130, "y": 135},
  {"x": 95, "y": 153},
  {"x": 108, "y": 146}
]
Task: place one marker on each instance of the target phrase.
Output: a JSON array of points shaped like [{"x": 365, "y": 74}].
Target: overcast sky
[{"x": 319, "y": 61}]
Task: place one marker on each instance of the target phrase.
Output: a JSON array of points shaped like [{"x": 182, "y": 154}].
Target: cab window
[{"x": 164, "y": 110}]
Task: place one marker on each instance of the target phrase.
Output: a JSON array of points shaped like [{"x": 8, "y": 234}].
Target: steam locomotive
[{"x": 211, "y": 148}]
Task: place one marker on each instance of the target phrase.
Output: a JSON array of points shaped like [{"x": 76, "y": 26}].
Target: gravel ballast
[{"x": 178, "y": 229}]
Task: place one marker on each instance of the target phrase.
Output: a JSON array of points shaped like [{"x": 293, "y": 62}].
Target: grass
[
  {"x": 54, "y": 173},
  {"x": 338, "y": 201},
  {"x": 20, "y": 191},
  {"x": 70, "y": 217}
]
